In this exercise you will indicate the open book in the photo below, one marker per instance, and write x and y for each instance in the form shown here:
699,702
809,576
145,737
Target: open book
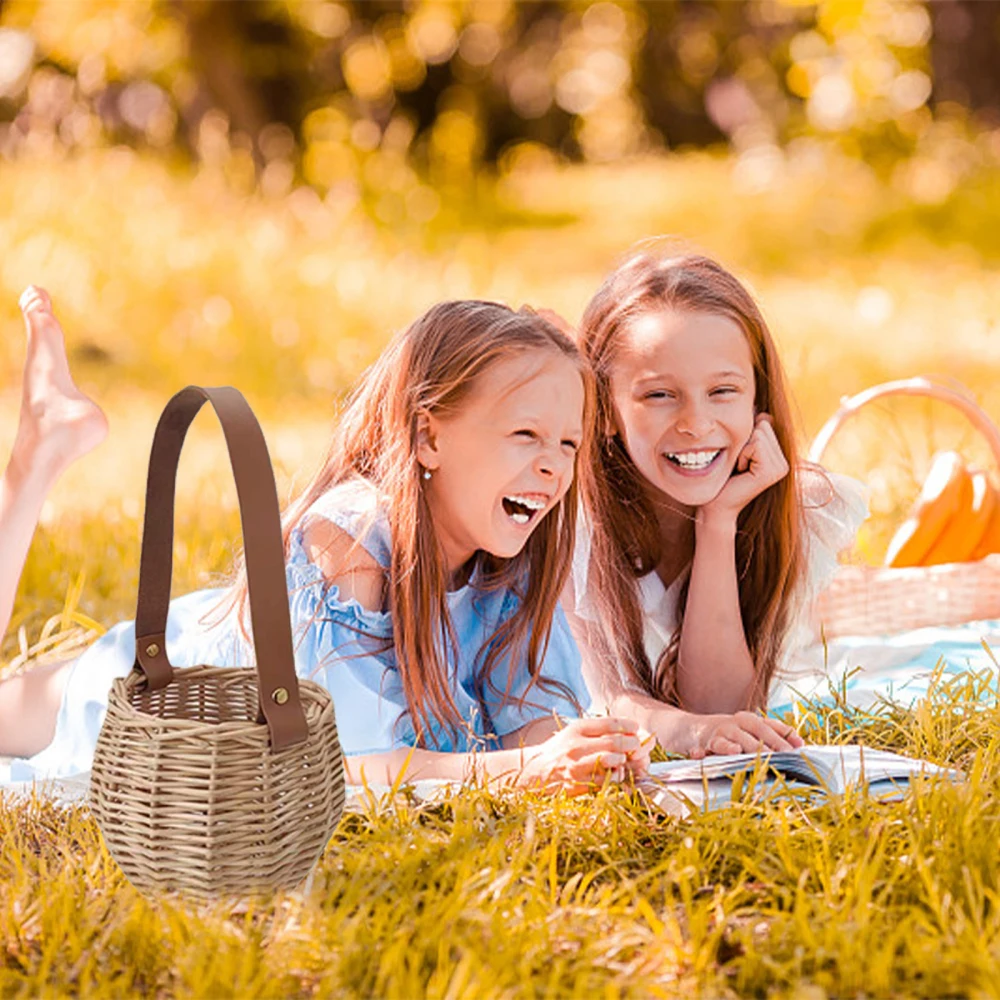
677,785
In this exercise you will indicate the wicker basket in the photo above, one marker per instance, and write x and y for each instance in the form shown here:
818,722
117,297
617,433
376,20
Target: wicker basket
216,780
869,600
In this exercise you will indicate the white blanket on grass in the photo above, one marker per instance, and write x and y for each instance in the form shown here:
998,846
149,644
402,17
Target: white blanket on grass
867,669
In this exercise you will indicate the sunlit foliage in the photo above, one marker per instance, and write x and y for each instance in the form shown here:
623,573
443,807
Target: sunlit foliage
258,194
384,97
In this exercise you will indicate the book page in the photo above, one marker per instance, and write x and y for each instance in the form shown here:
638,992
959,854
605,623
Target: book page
710,767
851,763
836,767
789,764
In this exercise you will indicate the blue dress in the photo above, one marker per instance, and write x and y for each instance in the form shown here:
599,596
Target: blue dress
340,644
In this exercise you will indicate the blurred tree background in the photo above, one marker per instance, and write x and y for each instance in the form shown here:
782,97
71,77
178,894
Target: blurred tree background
396,102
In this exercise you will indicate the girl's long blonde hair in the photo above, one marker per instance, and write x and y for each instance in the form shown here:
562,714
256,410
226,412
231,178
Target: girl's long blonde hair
626,541
432,367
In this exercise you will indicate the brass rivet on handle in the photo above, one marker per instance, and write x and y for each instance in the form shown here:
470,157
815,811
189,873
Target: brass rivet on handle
152,649
279,696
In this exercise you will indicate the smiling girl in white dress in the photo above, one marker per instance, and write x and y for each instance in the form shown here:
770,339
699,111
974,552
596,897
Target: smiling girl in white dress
424,564
707,537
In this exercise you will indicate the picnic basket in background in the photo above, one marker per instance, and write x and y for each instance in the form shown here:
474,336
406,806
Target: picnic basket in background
214,780
930,552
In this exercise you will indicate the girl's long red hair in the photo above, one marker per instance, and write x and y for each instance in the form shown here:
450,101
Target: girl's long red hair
431,367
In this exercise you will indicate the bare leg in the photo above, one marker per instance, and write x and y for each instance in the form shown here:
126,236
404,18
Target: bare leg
29,704
57,425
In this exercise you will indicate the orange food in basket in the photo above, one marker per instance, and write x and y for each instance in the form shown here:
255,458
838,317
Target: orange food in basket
990,542
946,491
966,528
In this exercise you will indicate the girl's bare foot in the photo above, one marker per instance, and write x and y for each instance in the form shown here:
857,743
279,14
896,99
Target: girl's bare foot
58,423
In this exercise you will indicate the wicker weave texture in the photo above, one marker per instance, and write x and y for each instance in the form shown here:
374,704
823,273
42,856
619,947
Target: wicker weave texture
872,600
869,600
190,797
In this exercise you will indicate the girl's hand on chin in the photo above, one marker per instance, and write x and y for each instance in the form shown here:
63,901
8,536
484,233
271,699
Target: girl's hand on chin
743,732
586,754
761,464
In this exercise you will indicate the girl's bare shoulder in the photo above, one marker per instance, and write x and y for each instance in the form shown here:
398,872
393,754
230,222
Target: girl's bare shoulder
344,563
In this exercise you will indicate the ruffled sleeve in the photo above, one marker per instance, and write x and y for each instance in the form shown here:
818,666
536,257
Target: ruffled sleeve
834,508
358,510
342,645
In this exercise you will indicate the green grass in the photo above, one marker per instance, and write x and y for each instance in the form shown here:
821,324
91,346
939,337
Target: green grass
489,894
516,894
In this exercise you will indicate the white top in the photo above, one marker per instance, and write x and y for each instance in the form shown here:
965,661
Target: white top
835,506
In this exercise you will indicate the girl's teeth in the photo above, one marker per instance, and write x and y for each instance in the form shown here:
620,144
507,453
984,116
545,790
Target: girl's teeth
521,509
694,459
530,502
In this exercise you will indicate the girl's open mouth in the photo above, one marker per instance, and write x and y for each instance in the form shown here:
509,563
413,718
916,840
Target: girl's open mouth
521,509
694,462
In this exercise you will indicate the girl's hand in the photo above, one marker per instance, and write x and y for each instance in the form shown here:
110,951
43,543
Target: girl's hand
586,754
744,732
761,464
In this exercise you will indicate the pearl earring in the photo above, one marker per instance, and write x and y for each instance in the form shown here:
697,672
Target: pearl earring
427,473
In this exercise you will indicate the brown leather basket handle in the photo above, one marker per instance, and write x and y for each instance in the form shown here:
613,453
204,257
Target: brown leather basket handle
280,706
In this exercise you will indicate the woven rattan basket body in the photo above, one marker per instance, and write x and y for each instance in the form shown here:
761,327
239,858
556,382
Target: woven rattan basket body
870,600
216,780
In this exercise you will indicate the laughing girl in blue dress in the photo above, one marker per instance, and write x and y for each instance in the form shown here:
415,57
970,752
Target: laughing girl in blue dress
424,563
